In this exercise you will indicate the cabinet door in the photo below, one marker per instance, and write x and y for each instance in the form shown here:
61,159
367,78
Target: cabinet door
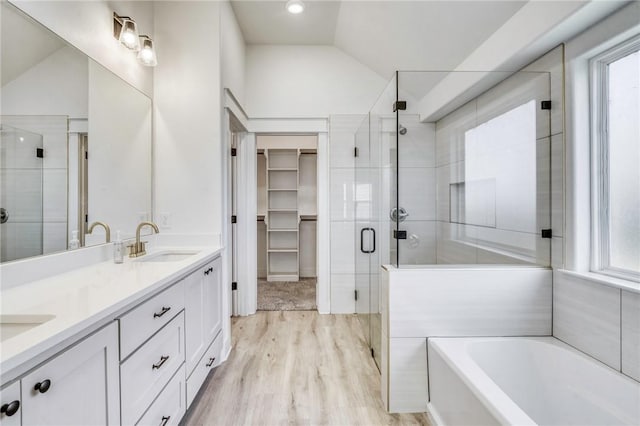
11,405
78,387
213,299
194,318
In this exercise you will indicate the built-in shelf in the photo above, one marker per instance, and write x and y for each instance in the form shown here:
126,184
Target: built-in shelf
282,182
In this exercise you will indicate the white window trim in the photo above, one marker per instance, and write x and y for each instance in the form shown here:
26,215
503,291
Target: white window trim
598,68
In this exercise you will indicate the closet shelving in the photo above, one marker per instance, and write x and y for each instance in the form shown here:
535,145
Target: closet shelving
287,198
283,216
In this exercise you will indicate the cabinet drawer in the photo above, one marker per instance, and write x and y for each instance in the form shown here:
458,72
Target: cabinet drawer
169,407
139,324
149,369
10,401
209,360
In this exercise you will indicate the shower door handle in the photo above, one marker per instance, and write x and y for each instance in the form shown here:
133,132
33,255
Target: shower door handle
362,240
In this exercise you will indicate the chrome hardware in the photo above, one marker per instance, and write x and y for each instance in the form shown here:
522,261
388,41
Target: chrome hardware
106,229
398,215
138,248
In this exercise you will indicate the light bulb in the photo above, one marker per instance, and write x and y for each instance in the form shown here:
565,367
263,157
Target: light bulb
129,35
295,6
147,55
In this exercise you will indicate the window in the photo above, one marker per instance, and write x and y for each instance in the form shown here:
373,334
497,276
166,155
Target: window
615,178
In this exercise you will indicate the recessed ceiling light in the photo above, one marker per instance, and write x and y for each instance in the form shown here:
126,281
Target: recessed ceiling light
295,6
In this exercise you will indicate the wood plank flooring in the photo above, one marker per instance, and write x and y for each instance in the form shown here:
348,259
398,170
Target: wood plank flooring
295,368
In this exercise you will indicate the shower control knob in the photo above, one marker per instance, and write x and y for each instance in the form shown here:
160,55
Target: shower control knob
398,215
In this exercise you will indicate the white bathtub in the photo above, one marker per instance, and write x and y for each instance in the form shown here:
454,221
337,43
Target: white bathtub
525,381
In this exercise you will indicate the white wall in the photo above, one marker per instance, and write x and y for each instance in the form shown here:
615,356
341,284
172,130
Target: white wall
307,81
188,179
233,52
88,25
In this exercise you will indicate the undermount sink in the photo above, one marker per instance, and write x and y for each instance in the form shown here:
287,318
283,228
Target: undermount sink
12,325
168,256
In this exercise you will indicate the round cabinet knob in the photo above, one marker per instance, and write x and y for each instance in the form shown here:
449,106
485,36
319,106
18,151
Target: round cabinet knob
11,408
42,386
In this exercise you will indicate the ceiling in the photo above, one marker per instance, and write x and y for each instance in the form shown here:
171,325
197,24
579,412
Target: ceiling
384,35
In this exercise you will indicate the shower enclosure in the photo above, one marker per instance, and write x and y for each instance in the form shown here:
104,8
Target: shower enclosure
21,213
451,168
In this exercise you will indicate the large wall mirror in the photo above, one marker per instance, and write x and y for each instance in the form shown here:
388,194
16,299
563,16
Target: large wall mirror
75,144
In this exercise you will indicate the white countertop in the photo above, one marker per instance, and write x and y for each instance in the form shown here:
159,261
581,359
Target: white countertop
83,298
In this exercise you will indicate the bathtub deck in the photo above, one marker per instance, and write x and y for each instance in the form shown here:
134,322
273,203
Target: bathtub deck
296,368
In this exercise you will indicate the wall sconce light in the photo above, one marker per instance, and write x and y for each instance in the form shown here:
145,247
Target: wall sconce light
125,30
147,54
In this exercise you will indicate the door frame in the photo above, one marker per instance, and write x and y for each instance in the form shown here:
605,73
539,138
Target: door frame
246,172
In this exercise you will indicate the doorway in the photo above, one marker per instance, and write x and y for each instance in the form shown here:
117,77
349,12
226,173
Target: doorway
286,180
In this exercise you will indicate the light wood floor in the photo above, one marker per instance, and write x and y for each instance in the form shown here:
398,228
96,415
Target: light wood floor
295,368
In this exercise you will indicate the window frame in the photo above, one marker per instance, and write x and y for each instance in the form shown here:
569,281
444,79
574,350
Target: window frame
599,94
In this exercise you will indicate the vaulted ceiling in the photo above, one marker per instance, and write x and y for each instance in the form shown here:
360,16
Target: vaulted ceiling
384,35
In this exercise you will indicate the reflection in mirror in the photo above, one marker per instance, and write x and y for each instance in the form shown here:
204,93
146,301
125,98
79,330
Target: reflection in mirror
75,144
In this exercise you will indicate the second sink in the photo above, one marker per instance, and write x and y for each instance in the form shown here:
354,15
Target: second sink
168,256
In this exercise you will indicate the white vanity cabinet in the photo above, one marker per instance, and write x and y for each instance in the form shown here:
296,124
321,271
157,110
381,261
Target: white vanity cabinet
203,322
78,387
154,350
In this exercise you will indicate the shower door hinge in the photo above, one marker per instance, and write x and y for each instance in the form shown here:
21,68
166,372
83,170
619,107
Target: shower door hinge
399,235
39,152
355,292
234,286
355,151
399,106
86,218
546,233
234,152
545,105
234,219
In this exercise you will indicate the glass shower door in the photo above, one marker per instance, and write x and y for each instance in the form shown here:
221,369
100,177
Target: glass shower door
363,230
21,158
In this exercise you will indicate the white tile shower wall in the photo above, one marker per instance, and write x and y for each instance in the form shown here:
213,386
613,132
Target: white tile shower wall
342,133
455,242
417,192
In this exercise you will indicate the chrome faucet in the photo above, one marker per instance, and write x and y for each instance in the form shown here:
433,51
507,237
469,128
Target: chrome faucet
138,248
106,229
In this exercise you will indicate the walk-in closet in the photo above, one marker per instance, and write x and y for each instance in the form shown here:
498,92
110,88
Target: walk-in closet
286,222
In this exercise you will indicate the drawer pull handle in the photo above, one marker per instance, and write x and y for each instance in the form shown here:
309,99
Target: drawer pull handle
163,359
42,386
11,408
162,312
165,420
208,271
211,361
